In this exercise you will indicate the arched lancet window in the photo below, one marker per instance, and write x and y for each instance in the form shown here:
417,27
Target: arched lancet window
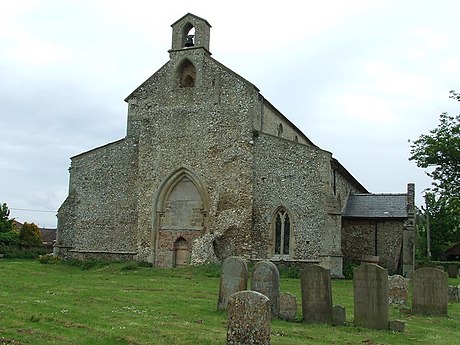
282,232
280,129
186,74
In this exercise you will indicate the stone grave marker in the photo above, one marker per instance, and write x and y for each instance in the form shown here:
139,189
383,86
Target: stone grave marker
315,284
452,271
429,292
370,286
288,307
248,319
266,280
339,316
398,290
234,278
453,295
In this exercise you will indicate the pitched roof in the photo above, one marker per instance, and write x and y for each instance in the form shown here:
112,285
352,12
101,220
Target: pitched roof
376,206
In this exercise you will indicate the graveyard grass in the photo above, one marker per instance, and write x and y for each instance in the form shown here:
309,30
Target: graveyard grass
126,303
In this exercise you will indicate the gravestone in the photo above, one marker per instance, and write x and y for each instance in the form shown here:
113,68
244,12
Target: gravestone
315,284
429,292
370,286
396,325
338,315
453,295
452,271
266,280
288,307
234,278
248,319
398,290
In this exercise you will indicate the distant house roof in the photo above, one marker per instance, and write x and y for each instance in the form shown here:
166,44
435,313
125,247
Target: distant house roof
453,251
48,235
376,206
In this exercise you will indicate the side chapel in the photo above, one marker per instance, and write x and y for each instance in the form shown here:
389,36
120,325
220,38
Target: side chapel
210,169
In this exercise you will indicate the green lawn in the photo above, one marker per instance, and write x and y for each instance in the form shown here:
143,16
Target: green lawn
125,304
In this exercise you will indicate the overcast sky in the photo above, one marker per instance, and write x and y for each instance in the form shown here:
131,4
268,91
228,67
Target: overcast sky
359,78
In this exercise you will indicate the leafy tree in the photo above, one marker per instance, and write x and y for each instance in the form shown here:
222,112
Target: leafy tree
30,235
8,234
439,151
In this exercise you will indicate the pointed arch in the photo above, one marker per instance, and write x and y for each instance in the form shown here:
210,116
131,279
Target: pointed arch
282,233
185,75
188,35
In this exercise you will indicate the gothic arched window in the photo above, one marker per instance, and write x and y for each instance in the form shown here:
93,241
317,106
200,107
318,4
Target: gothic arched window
282,229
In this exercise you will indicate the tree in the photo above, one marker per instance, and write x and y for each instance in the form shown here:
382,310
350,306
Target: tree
30,235
8,234
440,152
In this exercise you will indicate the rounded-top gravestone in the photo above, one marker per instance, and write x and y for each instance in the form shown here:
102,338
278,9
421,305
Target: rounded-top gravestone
234,278
266,280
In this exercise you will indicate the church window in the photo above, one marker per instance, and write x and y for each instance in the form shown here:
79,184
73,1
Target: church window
282,232
186,74
280,129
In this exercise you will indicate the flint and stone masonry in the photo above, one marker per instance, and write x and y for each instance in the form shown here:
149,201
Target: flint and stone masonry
208,169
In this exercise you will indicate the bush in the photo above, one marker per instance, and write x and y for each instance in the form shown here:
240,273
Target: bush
10,238
17,252
30,235
348,268
49,259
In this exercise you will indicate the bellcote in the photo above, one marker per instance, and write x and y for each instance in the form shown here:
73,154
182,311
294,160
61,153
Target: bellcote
190,31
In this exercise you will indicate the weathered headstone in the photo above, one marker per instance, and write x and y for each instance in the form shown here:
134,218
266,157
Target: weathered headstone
315,283
266,280
396,325
453,294
398,290
452,270
338,315
288,307
429,292
370,285
248,316
234,278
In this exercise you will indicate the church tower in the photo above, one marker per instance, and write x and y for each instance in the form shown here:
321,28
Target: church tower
190,32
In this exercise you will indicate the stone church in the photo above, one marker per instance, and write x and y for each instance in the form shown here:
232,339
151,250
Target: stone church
209,169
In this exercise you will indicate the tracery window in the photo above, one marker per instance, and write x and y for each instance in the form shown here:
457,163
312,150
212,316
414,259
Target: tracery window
282,232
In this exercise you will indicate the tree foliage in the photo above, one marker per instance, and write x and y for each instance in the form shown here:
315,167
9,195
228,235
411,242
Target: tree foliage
439,151
30,235
8,234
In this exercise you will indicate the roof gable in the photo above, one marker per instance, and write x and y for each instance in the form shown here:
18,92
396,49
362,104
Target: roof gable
376,206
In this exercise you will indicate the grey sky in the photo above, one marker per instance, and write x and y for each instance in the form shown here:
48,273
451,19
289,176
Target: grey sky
359,78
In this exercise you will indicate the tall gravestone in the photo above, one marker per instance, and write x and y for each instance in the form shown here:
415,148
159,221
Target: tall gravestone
248,319
266,280
370,285
234,278
315,283
288,307
429,292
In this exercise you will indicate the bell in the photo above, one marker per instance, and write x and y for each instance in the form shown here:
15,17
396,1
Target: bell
189,40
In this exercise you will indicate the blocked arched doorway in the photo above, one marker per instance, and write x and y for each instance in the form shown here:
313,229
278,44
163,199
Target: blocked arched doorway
182,207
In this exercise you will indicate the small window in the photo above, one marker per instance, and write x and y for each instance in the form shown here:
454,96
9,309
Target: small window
280,129
186,74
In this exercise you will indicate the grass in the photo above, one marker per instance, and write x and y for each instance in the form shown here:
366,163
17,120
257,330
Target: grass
127,303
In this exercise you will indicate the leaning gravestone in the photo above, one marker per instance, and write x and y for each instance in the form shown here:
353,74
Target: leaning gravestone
370,285
234,278
429,292
398,290
288,307
266,280
248,316
315,283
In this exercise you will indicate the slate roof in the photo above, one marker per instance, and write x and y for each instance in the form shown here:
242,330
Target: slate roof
376,206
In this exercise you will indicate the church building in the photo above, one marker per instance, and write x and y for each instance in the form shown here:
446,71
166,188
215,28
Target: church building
210,169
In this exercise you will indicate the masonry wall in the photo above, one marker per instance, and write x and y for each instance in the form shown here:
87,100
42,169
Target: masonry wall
206,129
295,176
379,237
99,216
